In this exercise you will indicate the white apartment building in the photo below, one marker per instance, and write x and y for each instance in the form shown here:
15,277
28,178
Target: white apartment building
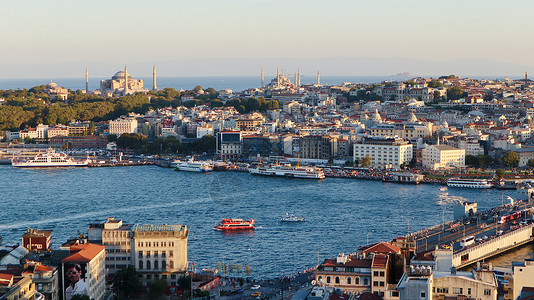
123,125
522,274
92,258
442,157
385,153
403,131
425,284
203,130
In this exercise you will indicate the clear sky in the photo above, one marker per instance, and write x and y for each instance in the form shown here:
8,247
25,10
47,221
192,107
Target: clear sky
119,32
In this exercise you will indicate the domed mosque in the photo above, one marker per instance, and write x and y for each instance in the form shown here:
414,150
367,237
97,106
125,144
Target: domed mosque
122,83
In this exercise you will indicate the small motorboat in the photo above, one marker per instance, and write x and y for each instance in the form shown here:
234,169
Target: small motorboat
291,218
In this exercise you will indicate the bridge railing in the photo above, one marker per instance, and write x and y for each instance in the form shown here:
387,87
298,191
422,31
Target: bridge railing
493,240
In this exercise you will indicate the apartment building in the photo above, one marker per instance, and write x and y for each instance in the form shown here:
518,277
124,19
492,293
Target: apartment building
385,153
442,157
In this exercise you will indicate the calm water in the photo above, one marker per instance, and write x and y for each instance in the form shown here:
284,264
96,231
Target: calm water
186,83
340,213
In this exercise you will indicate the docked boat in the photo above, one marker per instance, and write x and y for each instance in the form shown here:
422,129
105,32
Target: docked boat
50,159
291,218
469,183
235,225
192,166
287,170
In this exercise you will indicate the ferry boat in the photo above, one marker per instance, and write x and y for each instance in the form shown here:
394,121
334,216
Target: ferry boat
50,159
291,218
287,170
469,183
192,166
235,224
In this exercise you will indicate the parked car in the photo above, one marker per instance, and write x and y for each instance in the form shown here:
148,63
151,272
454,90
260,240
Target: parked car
255,287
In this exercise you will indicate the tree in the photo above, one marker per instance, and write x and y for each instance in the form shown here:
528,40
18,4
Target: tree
112,138
126,282
511,159
471,161
435,84
366,161
455,92
530,163
157,288
247,270
499,173
91,129
437,95
131,141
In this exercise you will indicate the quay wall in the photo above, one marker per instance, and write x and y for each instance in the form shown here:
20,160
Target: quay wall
493,246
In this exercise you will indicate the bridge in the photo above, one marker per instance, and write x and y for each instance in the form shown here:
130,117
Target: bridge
480,236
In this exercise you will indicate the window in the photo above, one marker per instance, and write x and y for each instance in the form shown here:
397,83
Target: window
156,265
163,264
328,279
469,291
375,273
148,266
382,273
140,265
382,283
375,283
170,253
487,292
348,280
357,280
148,254
423,295
156,253
365,281
337,280
457,291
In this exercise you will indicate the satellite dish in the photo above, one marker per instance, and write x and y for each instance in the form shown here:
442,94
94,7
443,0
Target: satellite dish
313,282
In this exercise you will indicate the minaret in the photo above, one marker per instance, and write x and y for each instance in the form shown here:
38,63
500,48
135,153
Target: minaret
86,81
526,76
296,79
154,85
262,77
318,78
298,84
125,79
278,77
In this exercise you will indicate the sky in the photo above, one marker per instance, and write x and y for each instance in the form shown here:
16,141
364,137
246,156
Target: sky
61,37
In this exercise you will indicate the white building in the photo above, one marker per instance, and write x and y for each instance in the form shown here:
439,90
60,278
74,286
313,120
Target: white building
92,258
522,274
203,130
123,125
442,156
385,153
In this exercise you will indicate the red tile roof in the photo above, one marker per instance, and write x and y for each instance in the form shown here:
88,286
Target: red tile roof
352,262
5,279
84,252
380,261
382,247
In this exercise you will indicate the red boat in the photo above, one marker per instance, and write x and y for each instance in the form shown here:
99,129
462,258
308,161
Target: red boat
235,224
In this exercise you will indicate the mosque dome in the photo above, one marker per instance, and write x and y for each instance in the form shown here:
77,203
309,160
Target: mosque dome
120,75
51,85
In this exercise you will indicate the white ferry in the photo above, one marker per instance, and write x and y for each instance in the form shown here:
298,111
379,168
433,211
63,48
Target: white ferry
50,159
288,171
193,166
469,183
